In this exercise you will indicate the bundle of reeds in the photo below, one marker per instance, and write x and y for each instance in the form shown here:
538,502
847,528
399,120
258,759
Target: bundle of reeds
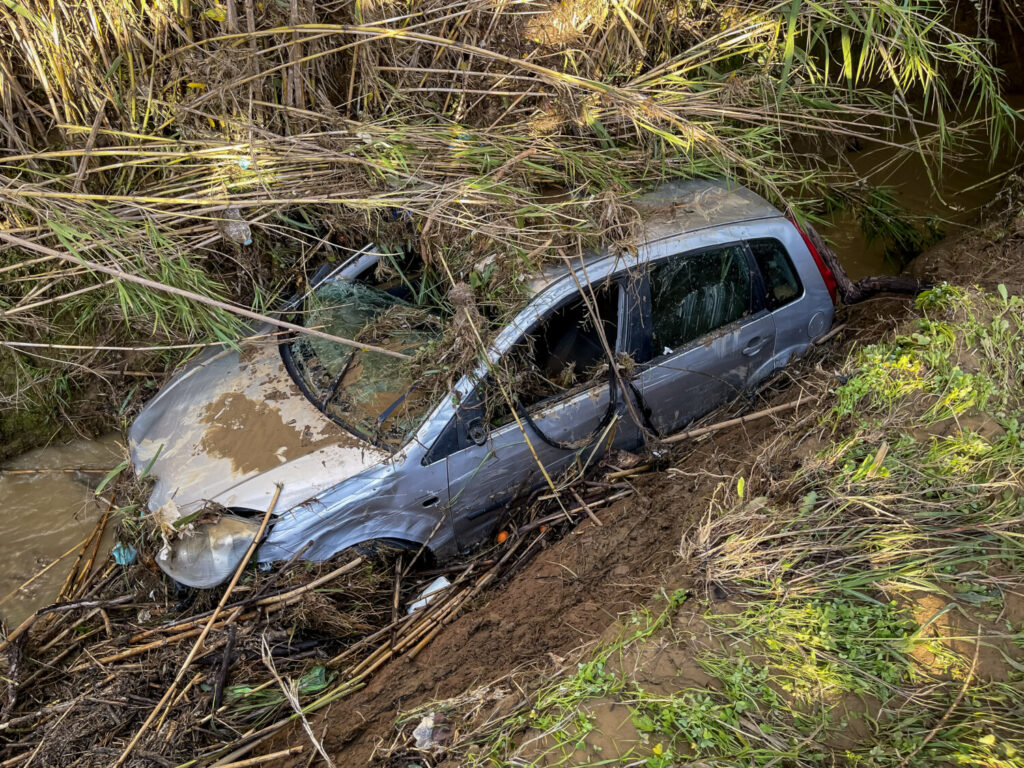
134,133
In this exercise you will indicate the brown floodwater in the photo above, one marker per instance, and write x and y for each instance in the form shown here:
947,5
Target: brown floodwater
968,180
44,514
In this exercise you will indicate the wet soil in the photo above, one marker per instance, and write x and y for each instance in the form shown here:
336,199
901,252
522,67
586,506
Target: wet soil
984,256
571,594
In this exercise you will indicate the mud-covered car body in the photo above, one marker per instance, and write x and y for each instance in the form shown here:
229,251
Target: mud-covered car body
724,291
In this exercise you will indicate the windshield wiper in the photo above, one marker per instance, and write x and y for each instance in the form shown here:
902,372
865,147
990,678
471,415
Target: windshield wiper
332,388
390,409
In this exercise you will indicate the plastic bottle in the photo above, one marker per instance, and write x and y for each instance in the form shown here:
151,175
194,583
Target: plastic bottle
428,594
234,227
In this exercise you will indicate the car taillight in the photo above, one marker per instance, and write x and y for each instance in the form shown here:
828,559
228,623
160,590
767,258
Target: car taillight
826,273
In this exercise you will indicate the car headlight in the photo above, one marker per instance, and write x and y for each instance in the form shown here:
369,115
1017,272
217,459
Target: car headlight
208,555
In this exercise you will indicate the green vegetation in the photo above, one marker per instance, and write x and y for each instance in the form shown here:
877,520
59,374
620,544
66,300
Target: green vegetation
883,219
485,137
876,609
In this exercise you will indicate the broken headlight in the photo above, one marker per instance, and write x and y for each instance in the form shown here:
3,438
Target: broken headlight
209,554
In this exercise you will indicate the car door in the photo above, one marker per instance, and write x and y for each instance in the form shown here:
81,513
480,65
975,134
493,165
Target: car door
565,412
710,333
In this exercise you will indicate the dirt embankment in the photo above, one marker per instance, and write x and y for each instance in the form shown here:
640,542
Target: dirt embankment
569,594
575,590
985,256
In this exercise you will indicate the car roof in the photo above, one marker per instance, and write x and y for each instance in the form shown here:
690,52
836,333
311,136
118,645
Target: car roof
676,208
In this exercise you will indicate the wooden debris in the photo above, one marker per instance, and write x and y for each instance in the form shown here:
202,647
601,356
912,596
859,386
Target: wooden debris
98,648
264,758
692,433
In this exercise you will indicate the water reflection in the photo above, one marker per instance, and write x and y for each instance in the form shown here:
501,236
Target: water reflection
966,183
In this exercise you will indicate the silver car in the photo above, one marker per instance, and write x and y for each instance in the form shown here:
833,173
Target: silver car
724,291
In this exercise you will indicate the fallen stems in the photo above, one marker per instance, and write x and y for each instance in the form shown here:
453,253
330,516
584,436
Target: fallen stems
59,608
283,598
205,631
270,757
693,433
153,285
561,516
209,656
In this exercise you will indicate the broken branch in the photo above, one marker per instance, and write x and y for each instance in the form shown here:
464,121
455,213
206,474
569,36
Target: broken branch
691,433
120,274
202,637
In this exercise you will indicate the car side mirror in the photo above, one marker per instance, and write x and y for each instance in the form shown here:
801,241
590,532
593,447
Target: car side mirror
476,431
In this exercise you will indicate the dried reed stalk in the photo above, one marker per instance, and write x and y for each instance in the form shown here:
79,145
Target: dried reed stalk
202,636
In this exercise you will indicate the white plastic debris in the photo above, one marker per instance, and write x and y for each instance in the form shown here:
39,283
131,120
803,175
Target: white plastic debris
168,514
428,594
431,732
234,227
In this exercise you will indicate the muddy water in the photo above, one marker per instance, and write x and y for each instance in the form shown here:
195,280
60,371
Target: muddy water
966,184
44,514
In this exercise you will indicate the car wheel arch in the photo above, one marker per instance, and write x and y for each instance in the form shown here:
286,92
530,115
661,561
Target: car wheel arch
327,540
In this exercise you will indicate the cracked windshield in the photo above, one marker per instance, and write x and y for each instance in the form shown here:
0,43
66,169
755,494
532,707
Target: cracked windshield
374,395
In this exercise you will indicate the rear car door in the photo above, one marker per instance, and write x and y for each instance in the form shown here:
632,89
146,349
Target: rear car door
711,334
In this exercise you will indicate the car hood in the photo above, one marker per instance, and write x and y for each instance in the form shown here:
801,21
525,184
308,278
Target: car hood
233,425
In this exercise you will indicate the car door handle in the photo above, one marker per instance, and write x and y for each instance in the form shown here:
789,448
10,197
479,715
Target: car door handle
755,345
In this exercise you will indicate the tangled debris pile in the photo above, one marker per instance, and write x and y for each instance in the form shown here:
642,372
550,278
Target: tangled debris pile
116,673
82,675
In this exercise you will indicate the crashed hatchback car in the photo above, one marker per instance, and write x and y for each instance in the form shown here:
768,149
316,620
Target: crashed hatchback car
724,291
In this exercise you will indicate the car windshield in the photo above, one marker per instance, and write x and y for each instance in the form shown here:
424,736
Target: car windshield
372,394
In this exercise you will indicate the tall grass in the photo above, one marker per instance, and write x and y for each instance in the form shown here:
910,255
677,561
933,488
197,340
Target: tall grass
438,125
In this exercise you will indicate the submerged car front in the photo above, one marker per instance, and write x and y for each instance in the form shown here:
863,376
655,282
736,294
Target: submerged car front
305,415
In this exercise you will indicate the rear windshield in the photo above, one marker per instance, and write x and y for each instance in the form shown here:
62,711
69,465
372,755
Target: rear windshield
372,394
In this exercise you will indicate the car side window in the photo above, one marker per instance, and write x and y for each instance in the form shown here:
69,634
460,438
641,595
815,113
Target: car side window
695,293
780,276
562,354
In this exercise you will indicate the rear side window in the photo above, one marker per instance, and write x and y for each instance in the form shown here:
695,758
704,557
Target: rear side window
695,293
780,277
